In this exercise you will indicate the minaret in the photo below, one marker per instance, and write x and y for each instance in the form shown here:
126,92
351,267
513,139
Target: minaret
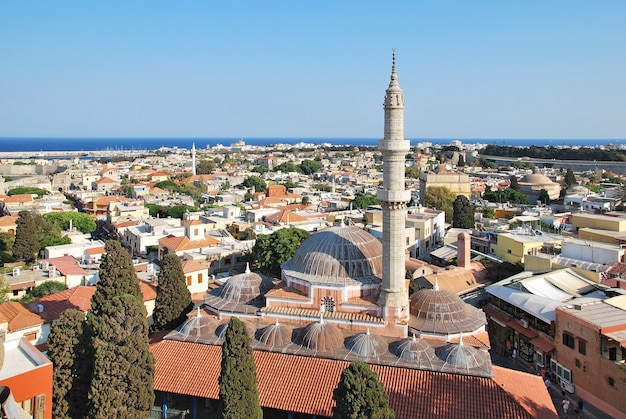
193,158
394,198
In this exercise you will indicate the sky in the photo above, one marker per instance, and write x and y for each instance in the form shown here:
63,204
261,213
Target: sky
312,69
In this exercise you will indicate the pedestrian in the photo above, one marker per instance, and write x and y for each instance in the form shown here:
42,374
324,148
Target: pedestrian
565,403
548,383
579,408
562,389
543,373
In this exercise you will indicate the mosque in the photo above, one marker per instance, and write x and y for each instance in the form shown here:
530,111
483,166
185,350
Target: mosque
343,297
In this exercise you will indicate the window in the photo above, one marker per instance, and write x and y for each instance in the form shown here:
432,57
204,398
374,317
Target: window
329,304
568,340
582,346
188,280
611,381
577,363
199,278
31,335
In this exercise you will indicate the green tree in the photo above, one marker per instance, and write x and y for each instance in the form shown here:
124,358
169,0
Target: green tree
255,182
177,211
441,198
205,166
69,349
173,300
359,395
570,178
309,167
238,394
364,201
490,213
154,209
544,197
463,213
288,167
506,195
28,190
43,289
80,221
514,184
5,289
461,161
123,367
270,251
26,245
49,234
117,277
412,172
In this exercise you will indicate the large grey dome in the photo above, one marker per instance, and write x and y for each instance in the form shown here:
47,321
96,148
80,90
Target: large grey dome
243,288
338,255
275,335
415,351
366,345
195,329
321,336
463,357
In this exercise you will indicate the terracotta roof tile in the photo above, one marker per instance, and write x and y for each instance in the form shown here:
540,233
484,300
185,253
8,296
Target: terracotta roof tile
78,298
193,266
148,291
281,290
18,316
67,265
305,384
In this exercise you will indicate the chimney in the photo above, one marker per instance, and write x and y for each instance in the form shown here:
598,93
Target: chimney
464,257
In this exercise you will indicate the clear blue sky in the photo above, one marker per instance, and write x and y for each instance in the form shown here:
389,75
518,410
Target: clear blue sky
311,69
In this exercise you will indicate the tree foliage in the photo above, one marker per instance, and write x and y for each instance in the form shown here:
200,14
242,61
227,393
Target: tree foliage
177,211
364,201
506,195
255,182
49,234
544,197
173,300
270,251
514,184
412,172
81,221
441,198
117,277
28,190
570,178
288,167
69,349
359,394
26,245
490,213
238,394
309,167
43,289
205,166
463,213
123,369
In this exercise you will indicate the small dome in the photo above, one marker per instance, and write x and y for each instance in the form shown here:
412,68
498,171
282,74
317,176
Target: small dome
443,312
536,179
414,350
321,336
194,329
243,288
220,331
366,345
336,255
463,357
275,335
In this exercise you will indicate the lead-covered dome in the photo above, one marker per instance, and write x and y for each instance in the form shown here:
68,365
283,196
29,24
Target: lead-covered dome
275,335
321,336
366,345
197,328
243,288
439,311
337,255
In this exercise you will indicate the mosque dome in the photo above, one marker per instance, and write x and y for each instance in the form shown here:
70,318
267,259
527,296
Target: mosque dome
366,345
338,255
414,350
195,329
275,335
536,179
321,336
440,311
462,357
243,288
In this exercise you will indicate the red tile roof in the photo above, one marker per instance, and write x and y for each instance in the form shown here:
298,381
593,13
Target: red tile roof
148,291
18,317
305,384
78,298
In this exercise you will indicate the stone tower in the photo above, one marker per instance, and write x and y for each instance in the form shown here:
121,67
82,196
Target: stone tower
394,198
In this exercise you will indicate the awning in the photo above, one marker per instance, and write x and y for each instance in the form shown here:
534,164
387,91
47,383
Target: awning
543,345
526,332
22,286
496,316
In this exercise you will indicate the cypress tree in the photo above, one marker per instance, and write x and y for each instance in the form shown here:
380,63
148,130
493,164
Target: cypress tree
173,300
117,277
69,350
123,370
463,213
238,393
514,183
26,245
359,395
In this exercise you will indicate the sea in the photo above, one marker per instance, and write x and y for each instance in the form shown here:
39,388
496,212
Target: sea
9,144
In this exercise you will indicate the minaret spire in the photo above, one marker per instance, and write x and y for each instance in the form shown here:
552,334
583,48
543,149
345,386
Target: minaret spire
394,198
193,158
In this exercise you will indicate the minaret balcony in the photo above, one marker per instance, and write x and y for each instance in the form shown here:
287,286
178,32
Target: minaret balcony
393,196
394,145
